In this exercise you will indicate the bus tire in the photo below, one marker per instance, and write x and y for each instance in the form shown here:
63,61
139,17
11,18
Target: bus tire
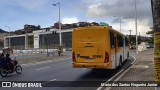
120,61
128,55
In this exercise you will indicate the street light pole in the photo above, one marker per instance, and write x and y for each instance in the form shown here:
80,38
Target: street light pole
60,33
136,27
120,24
119,21
8,37
130,32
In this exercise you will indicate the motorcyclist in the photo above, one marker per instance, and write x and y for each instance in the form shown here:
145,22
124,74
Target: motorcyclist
9,62
8,58
3,61
0,62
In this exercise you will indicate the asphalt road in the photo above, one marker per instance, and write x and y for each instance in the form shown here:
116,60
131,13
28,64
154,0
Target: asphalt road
63,71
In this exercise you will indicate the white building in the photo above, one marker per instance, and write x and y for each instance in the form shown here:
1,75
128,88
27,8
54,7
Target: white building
39,37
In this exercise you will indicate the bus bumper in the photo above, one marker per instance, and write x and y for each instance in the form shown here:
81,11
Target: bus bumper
92,65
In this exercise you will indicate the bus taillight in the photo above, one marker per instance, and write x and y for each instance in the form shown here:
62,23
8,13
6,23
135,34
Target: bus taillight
73,57
106,57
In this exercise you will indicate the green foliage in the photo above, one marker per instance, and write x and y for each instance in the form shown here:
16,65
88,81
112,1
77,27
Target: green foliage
151,39
30,40
150,32
60,48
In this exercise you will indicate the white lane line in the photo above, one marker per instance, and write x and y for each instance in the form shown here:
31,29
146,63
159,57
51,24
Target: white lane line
108,88
24,65
43,68
84,68
31,64
43,62
53,80
38,62
115,75
134,59
110,79
49,81
64,59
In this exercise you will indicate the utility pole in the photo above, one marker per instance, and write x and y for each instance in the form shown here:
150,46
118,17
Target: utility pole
120,21
130,34
136,27
9,36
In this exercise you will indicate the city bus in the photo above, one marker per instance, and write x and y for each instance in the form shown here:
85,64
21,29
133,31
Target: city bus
98,47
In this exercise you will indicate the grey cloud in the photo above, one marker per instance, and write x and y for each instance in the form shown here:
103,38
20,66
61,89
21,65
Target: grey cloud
126,9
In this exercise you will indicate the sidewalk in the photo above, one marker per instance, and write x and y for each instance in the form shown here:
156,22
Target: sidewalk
142,70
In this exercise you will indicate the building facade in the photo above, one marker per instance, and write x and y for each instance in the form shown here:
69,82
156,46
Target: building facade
40,39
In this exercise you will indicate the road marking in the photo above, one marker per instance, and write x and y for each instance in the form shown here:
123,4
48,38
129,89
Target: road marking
84,68
24,65
134,59
110,79
42,68
64,59
30,63
118,73
53,80
115,75
38,62
140,66
43,62
49,81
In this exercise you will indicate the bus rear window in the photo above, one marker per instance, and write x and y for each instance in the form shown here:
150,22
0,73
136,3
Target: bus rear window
89,35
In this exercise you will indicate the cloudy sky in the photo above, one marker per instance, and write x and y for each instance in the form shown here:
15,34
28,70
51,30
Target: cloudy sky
16,13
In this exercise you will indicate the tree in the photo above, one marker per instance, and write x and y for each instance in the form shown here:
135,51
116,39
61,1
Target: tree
30,41
151,33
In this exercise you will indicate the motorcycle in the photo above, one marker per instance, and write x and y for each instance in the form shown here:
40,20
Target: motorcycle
15,68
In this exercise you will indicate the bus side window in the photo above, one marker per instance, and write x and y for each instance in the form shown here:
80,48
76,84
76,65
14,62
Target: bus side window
120,41
112,40
126,41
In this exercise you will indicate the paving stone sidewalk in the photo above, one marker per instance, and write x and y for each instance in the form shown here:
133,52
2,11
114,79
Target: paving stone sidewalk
142,70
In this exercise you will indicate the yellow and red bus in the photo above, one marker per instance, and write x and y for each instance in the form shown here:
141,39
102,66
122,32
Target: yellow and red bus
98,47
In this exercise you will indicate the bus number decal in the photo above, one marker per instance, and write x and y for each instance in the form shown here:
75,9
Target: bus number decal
97,56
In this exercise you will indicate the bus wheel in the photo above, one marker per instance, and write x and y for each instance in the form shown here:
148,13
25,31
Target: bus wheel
127,56
120,61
